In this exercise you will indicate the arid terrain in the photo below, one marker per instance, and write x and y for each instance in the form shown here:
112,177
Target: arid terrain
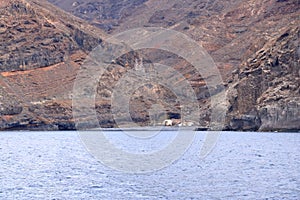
254,44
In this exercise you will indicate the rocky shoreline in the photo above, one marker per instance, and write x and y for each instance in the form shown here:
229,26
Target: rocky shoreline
71,127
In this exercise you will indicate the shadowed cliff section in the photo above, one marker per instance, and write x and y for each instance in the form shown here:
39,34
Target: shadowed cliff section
105,14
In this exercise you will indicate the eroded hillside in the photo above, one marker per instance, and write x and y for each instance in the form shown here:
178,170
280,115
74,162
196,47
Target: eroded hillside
39,59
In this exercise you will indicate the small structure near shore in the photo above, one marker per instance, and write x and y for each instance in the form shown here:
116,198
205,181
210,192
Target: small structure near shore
177,122
168,122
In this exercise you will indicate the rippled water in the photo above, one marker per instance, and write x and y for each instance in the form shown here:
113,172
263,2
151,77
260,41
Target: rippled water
55,165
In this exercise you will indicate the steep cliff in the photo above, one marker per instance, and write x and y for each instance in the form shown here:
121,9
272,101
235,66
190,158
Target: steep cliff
266,92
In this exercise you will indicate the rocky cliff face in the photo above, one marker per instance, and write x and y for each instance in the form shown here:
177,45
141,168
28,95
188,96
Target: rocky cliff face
266,92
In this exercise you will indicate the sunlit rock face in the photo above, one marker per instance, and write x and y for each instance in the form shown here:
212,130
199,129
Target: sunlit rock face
40,51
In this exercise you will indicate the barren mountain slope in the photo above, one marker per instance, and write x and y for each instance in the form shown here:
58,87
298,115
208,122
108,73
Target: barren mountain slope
230,31
255,45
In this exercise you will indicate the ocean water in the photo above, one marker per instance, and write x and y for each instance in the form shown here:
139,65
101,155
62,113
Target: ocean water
56,165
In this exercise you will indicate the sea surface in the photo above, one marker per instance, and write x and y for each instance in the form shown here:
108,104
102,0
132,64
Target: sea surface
56,165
